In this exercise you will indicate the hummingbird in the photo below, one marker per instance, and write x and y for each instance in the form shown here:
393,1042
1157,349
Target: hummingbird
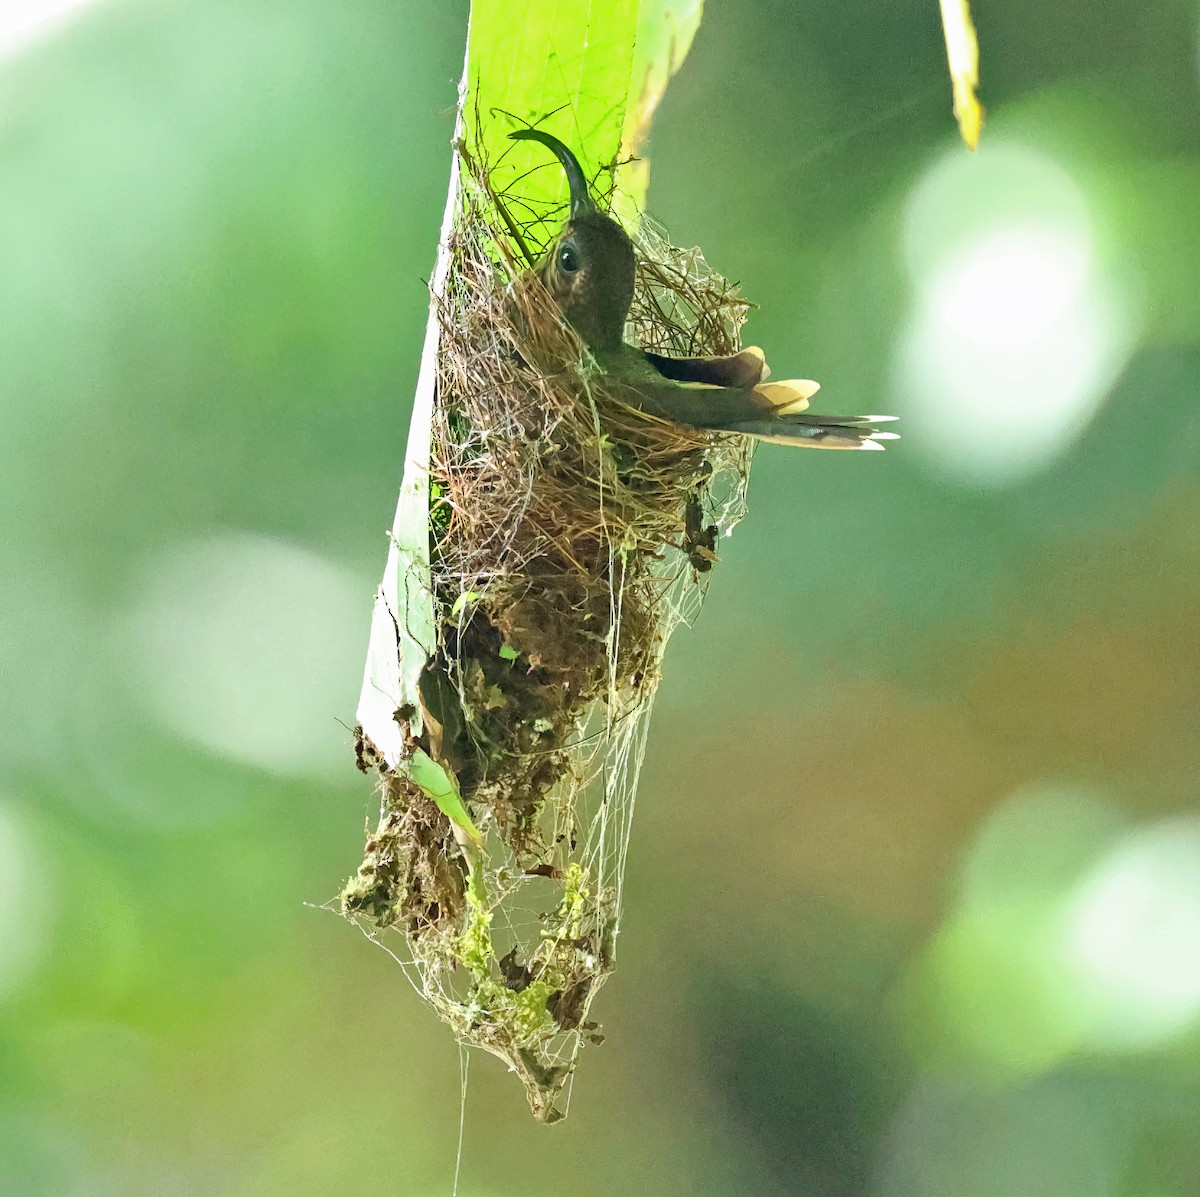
589,271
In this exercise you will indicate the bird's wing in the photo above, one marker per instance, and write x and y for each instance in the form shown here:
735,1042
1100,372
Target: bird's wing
745,369
769,411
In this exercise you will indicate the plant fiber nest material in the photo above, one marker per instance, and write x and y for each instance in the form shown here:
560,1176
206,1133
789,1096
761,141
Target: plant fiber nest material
569,535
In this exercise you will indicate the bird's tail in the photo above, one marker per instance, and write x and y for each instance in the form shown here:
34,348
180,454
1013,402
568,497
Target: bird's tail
788,422
819,431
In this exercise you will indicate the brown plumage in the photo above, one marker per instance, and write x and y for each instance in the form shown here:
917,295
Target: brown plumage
589,270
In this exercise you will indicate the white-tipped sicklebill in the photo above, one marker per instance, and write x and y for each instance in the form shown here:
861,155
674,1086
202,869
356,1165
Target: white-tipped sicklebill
589,271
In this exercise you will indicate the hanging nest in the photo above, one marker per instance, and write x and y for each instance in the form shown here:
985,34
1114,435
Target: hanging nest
569,535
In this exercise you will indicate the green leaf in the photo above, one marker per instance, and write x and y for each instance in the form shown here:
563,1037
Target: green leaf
508,653
403,628
440,785
465,599
591,74
564,67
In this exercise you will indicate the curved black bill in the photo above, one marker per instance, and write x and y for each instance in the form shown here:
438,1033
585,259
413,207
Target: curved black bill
581,198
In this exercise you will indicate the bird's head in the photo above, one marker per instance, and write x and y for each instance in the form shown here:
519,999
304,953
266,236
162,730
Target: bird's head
590,267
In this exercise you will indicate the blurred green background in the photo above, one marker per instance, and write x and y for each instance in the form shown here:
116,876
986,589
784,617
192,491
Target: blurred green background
913,901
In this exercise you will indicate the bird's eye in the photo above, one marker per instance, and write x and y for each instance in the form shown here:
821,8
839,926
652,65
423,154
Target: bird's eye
568,259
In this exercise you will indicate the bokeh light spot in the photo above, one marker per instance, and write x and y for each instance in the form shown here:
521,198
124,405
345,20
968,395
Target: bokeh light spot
25,906
244,643
1072,936
991,995
1036,844
23,20
1006,288
1132,937
1017,330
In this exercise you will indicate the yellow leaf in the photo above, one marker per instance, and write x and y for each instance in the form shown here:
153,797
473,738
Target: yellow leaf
962,51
